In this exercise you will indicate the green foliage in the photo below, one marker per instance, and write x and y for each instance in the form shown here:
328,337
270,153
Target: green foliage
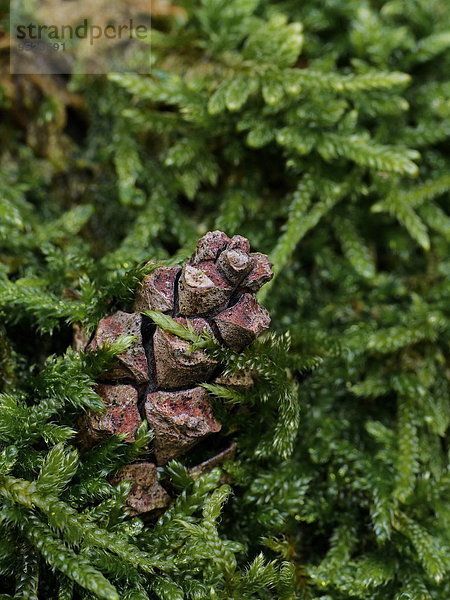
185,332
320,131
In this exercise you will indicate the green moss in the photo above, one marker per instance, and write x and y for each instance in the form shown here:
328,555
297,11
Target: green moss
319,130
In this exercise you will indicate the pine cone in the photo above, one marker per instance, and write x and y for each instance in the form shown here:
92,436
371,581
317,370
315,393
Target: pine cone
158,377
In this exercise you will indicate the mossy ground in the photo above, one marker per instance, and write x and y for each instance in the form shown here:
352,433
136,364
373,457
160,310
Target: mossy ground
319,130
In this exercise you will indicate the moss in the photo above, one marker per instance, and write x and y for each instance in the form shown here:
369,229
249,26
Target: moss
319,130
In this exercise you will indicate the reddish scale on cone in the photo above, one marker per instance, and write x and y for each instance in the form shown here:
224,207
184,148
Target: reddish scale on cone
179,419
156,291
202,289
234,265
242,323
209,247
176,365
147,495
215,293
131,364
121,415
260,274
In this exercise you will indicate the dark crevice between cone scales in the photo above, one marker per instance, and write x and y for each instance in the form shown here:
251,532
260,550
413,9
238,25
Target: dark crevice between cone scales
158,378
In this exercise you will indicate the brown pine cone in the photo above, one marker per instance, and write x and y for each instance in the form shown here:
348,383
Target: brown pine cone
158,377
